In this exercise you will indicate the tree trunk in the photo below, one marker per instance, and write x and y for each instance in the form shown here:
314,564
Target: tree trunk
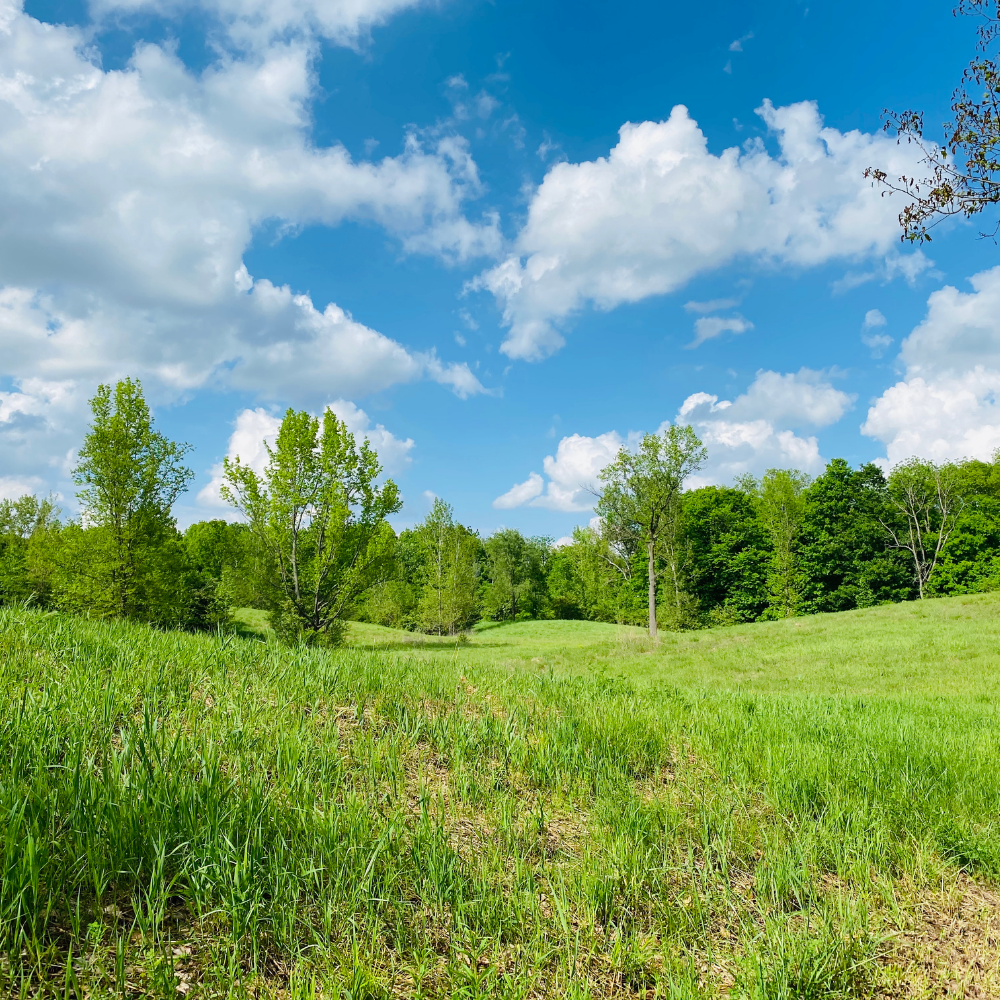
652,589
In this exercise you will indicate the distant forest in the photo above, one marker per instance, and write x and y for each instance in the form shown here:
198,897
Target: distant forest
314,547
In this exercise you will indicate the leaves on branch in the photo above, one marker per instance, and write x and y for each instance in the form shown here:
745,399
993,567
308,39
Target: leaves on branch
963,169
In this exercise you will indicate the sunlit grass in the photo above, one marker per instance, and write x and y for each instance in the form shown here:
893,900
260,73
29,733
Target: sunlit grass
550,809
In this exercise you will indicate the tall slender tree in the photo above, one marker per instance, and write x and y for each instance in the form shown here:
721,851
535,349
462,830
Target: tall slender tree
781,506
929,498
448,602
130,476
641,494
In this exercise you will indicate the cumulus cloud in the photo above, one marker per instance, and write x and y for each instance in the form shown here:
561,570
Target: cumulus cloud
127,200
946,405
756,431
571,474
661,209
255,430
520,493
751,433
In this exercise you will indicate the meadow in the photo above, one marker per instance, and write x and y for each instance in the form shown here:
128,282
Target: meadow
802,808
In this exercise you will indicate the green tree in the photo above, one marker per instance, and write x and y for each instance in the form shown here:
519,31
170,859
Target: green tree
515,575
730,554
130,476
964,169
23,521
842,555
640,500
226,554
319,520
928,500
448,602
781,508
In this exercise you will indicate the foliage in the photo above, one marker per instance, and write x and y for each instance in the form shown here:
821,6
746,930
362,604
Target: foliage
514,576
640,500
965,168
319,521
22,521
928,499
780,496
129,475
449,599
730,552
842,555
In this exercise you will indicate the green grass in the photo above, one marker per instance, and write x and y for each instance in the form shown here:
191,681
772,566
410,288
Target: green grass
550,809
935,647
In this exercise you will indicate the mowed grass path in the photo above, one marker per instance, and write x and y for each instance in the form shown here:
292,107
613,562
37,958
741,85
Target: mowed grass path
806,808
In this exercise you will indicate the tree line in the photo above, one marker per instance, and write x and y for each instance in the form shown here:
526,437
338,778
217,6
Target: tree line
315,549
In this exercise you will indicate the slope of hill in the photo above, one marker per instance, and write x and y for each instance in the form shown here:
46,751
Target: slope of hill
951,645
805,808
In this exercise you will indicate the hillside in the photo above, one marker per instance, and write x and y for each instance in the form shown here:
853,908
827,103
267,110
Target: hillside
951,645
804,808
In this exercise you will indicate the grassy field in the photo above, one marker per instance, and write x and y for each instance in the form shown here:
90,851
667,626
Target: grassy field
807,808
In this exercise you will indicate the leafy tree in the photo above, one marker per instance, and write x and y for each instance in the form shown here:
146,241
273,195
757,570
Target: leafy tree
781,508
929,500
641,496
586,579
130,476
22,521
970,562
730,553
964,170
448,602
227,555
514,576
843,556
319,520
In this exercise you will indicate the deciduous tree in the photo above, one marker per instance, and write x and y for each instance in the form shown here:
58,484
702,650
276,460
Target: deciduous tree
929,498
319,518
964,168
129,475
641,494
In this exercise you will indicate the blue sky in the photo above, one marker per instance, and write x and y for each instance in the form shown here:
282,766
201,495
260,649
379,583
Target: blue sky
487,234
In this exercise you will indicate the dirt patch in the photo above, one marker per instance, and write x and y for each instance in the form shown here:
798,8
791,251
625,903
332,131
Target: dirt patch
951,947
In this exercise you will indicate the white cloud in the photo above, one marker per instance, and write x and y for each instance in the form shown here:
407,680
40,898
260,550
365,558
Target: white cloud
257,23
949,417
393,452
573,471
894,265
520,493
756,431
713,305
256,429
737,45
127,200
571,474
946,406
661,209
878,343
12,487
709,327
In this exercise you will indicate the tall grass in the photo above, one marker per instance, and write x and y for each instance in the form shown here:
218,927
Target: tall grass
226,817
